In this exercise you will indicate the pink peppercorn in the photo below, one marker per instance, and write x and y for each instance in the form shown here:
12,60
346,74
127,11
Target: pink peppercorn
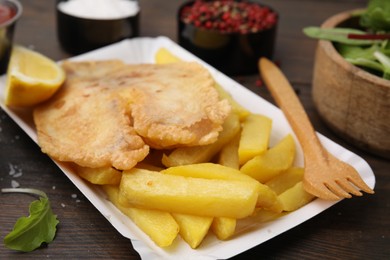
229,16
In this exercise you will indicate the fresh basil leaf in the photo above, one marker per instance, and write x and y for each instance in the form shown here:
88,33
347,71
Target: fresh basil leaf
377,15
39,227
337,35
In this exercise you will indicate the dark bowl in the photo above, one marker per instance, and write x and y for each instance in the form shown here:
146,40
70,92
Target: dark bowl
7,29
78,35
230,53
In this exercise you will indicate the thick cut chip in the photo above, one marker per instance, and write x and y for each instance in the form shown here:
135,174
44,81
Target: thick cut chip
276,160
224,228
295,197
228,156
193,229
160,226
255,134
100,176
286,179
200,154
267,198
193,196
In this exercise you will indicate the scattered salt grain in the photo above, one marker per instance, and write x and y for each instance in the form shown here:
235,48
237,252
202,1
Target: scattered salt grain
17,137
77,201
54,187
14,184
18,174
63,205
11,169
14,171
74,196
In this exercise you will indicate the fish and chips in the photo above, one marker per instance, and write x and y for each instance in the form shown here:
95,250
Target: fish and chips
171,149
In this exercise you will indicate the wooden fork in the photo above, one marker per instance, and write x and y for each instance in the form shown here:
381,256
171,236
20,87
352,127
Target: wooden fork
325,176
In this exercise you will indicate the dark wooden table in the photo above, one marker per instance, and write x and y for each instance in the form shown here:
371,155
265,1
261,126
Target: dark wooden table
353,229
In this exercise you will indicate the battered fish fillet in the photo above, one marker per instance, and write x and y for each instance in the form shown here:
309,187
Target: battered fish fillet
89,127
172,105
107,113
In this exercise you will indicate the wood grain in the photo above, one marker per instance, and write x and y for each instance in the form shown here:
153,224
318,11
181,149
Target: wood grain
352,229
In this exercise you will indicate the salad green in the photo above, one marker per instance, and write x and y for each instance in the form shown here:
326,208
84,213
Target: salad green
39,227
368,47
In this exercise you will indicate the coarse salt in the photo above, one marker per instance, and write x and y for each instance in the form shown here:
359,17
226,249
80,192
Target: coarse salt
11,169
14,171
14,184
99,9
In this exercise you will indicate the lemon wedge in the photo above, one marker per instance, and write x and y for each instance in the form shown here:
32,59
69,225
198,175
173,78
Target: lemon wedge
32,78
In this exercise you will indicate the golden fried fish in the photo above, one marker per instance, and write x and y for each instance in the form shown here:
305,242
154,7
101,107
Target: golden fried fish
107,113
173,105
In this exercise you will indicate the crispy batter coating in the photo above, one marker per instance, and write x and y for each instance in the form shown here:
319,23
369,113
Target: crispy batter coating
108,113
173,105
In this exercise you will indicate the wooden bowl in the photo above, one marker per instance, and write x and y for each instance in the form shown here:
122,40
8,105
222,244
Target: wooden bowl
351,101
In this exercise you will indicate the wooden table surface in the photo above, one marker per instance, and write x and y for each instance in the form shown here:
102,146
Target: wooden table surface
352,229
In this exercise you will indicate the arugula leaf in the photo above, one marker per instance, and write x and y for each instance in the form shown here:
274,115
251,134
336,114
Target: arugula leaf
369,50
40,227
377,15
366,63
337,34
385,61
354,52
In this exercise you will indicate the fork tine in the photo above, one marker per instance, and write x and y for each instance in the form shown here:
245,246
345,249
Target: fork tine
320,190
337,190
358,182
349,187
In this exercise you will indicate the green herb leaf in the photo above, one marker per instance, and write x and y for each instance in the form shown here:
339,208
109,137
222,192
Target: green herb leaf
40,227
385,61
337,35
366,63
354,52
377,15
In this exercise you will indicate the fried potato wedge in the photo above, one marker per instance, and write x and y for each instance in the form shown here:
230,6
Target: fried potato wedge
236,107
160,226
200,154
286,179
164,56
193,229
276,160
228,156
194,196
255,134
267,197
295,197
100,176
224,228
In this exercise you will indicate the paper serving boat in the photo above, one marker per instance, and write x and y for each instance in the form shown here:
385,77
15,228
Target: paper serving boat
249,232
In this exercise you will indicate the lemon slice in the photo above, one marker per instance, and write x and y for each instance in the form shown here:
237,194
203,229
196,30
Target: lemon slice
32,78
